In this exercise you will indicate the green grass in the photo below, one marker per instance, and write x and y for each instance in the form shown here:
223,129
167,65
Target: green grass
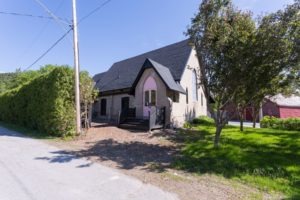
265,158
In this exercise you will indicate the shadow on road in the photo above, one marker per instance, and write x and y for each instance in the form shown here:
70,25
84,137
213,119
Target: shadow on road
127,155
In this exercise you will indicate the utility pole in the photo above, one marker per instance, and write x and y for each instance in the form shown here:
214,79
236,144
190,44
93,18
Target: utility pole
76,66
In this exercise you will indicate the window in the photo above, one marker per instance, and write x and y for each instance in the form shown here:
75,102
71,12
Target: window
150,97
201,99
103,107
147,98
194,86
187,95
153,97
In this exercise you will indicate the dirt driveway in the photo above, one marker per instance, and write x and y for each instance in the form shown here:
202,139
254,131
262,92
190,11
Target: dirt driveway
148,157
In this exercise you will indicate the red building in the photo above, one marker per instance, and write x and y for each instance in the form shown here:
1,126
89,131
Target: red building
282,107
277,106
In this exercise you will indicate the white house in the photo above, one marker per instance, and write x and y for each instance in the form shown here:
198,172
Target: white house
162,82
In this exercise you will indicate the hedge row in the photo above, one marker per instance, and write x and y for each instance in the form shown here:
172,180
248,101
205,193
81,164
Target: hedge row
45,103
284,124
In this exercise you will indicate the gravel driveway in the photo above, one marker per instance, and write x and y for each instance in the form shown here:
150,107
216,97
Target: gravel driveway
30,169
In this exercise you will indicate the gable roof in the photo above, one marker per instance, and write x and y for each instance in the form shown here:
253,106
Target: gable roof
122,74
98,77
289,101
163,72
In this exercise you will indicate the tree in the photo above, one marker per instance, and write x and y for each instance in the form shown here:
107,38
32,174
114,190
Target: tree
88,94
221,35
274,61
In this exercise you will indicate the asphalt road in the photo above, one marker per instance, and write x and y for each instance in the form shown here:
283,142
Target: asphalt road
246,124
33,170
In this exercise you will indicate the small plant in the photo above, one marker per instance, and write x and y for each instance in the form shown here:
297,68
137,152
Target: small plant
187,125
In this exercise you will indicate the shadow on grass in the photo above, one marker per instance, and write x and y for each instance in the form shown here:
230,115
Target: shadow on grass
268,158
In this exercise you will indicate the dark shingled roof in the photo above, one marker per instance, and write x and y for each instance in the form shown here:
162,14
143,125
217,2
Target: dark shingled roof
165,75
123,74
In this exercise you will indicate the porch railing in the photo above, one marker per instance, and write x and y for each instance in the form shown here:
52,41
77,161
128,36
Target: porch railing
157,117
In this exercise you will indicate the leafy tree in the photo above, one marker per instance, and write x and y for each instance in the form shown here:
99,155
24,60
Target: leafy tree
241,63
221,35
274,60
87,97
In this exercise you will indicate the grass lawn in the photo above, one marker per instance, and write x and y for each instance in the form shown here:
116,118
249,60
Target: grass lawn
265,158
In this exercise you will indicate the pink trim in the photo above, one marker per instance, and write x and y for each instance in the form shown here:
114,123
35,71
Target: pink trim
150,84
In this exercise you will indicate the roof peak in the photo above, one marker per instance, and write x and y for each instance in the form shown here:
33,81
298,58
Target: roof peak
160,48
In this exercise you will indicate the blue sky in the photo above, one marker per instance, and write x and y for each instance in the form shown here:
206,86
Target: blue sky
121,29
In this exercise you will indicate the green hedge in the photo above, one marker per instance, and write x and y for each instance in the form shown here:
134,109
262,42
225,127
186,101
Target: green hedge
45,103
284,124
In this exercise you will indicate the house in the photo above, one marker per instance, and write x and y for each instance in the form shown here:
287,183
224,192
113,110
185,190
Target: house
161,83
277,106
282,107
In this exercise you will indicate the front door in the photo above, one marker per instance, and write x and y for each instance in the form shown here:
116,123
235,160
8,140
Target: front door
103,107
149,96
125,103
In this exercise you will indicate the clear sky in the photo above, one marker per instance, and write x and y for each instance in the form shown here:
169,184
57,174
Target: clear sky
121,29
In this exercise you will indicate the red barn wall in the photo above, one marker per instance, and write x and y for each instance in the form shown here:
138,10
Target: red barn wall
271,109
286,112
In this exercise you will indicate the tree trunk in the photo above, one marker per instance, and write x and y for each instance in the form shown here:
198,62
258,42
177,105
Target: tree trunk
254,114
242,120
217,136
242,124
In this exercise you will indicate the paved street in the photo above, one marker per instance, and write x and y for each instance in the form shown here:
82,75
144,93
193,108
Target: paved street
246,124
33,170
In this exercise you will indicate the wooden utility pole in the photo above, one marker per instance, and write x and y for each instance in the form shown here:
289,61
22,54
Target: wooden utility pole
76,66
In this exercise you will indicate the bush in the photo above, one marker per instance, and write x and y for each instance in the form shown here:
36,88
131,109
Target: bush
203,120
187,125
45,103
284,124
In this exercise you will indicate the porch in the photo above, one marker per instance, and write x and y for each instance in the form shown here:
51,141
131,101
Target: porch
155,119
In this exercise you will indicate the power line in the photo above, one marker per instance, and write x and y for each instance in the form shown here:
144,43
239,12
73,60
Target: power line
52,15
24,15
62,37
48,50
28,15
33,42
94,10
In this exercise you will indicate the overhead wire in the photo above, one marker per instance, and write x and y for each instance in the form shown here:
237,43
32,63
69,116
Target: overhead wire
48,50
52,15
25,15
63,36
37,37
94,10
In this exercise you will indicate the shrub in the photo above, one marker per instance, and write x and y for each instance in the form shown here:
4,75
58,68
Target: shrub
45,103
284,124
203,120
187,125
